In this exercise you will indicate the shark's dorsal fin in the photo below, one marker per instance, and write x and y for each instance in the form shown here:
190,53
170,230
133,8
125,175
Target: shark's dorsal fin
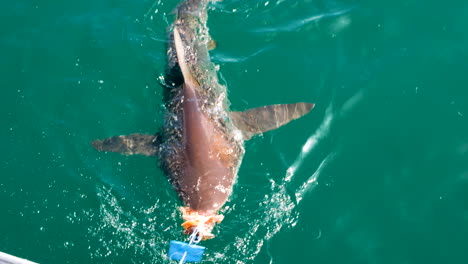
258,120
129,144
182,60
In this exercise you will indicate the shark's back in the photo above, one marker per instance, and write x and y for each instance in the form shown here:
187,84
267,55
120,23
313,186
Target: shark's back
202,149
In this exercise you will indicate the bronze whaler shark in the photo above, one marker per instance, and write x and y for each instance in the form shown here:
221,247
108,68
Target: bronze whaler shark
201,143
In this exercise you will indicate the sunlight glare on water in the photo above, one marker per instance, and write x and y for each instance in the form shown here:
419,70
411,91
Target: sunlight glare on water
275,211
310,144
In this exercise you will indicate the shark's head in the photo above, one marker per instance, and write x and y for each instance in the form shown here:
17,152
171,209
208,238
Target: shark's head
200,223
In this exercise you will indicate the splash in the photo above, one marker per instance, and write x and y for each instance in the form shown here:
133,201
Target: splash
136,233
253,229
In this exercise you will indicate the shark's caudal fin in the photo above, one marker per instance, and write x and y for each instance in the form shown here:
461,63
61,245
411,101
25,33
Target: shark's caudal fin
129,144
258,120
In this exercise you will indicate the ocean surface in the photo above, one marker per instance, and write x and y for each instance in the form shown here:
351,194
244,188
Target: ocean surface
376,173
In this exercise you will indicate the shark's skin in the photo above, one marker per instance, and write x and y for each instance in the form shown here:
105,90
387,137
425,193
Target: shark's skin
201,144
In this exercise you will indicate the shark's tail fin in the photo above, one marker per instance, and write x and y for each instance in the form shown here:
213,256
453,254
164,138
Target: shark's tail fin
258,120
129,144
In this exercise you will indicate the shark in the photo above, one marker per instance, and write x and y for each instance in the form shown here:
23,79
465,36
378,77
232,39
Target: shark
200,144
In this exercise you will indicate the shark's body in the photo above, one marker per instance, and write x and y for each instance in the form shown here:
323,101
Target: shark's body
201,144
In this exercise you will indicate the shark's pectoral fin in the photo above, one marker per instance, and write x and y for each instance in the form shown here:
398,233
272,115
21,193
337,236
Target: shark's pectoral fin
258,120
129,144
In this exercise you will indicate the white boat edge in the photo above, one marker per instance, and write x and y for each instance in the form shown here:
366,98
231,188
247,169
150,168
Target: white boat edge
9,259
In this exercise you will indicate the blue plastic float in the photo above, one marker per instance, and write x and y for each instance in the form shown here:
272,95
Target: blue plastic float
185,251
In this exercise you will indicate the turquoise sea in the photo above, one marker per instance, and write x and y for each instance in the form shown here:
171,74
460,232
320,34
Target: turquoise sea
376,173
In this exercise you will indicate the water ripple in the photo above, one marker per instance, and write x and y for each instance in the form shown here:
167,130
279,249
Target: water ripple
298,23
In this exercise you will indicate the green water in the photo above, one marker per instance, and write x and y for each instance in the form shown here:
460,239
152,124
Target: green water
377,173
